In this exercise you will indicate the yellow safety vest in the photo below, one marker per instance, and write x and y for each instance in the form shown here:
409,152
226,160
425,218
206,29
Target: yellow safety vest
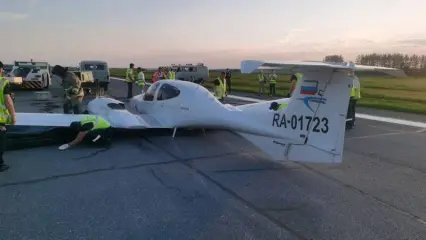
170,75
141,80
282,106
4,113
219,90
98,122
272,79
129,75
356,89
299,77
174,75
260,77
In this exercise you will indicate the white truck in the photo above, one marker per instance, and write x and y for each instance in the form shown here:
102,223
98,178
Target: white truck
35,75
100,72
197,73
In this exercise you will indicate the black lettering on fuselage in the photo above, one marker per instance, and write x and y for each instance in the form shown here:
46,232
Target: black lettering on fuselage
283,122
313,124
275,120
279,121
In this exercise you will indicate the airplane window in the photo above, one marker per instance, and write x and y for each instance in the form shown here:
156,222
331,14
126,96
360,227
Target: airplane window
167,92
149,95
116,106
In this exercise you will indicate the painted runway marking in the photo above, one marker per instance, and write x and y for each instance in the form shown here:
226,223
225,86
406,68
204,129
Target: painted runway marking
358,115
377,135
385,128
421,130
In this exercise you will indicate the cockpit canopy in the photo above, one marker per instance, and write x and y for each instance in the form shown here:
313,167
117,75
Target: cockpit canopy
165,92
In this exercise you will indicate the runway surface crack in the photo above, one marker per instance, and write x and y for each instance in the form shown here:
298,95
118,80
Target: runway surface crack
248,170
112,168
93,154
234,194
386,160
366,194
175,189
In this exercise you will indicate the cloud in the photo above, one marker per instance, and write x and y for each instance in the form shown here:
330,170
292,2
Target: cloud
287,37
413,42
11,16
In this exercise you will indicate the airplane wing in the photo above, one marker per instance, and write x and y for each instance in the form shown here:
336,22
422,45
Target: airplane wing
365,67
117,119
249,66
46,119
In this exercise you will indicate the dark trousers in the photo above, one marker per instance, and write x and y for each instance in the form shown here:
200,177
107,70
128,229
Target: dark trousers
129,89
2,145
272,89
228,85
104,140
351,113
68,108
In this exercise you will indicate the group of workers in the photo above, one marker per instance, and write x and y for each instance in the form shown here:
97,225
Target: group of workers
139,77
91,129
263,79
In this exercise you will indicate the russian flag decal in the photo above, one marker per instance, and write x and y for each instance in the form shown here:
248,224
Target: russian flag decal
309,87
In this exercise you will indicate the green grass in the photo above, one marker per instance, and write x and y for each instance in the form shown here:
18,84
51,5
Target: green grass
396,94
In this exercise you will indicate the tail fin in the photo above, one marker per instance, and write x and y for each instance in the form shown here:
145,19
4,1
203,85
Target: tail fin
312,125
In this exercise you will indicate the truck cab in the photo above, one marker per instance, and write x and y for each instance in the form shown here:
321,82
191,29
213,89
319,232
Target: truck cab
34,74
196,73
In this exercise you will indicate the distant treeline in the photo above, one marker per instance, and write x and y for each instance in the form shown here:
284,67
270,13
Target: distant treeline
411,64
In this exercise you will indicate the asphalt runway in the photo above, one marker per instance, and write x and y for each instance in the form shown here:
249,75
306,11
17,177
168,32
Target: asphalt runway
216,186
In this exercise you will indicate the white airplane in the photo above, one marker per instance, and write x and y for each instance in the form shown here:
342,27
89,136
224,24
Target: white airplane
311,128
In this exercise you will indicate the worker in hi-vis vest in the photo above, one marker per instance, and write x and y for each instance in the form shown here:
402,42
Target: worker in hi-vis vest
355,95
170,74
272,83
219,89
276,107
140,79
173,73
225,89
262,82
7,115
130,79
93,130
295,79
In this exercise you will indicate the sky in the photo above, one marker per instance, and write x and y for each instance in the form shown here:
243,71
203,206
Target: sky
218,33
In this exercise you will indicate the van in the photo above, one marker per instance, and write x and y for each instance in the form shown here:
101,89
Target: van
99,70
197,73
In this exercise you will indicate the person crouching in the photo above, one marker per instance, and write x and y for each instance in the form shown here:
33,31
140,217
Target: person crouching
92,130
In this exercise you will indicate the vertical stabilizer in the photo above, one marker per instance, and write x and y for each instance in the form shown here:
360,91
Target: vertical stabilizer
312,122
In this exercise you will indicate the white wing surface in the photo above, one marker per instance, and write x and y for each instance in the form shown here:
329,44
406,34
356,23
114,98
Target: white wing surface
117,119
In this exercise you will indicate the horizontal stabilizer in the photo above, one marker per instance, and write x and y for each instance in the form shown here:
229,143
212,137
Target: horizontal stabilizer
249,66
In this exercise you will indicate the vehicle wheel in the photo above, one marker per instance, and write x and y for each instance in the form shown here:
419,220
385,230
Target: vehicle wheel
44,82
47,81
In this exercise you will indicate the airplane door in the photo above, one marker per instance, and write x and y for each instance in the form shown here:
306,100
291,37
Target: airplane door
167,99
148,104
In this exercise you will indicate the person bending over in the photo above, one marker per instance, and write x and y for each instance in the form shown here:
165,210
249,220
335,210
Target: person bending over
92,130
